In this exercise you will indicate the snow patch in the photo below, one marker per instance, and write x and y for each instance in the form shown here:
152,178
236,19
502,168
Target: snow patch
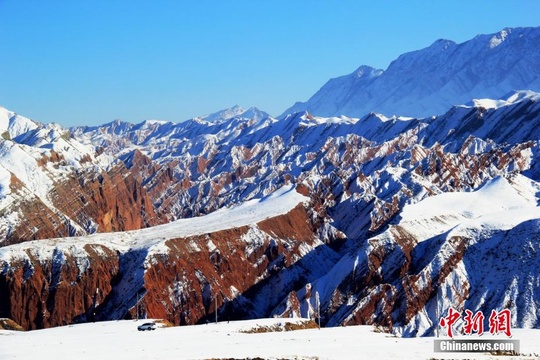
154,239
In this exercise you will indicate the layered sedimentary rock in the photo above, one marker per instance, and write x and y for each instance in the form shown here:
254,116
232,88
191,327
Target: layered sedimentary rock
113,200
358,257
439,254
57,282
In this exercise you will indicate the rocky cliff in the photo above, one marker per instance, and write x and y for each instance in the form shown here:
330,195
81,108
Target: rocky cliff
177,272
481,257
51,185
360,254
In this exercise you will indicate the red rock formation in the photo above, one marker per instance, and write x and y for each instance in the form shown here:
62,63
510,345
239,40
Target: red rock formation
180,285
41,293
113,201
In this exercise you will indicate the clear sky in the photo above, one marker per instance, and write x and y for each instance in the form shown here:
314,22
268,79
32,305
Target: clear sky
88,62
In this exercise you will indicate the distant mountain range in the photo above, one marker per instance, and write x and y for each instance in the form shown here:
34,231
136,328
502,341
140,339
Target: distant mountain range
429,81
383,220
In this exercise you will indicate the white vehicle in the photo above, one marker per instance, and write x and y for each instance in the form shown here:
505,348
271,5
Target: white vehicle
147,326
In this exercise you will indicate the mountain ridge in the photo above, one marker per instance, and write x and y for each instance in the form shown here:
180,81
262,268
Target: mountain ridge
427,82
360,175
394,218
214,156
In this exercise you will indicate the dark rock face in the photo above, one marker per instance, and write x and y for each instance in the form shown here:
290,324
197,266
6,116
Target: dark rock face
41,293
181,285
111,201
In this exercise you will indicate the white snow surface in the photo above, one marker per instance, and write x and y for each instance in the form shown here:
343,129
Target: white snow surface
499,203
14,124
251,212
235,111
120,340
511,98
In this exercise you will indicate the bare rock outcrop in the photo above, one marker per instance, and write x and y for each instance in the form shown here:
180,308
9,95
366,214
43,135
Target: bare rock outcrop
43,284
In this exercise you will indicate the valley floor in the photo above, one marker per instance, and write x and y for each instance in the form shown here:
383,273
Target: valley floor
121,340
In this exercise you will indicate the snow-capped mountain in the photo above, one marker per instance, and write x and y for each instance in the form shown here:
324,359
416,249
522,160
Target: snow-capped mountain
468,250
58,182
353,240
53,185
12,125
427,82
386,220
176,271
235,111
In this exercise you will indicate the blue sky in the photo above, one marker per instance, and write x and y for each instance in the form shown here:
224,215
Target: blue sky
88,62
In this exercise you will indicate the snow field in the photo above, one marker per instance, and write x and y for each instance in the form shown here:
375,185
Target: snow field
121,340
498,204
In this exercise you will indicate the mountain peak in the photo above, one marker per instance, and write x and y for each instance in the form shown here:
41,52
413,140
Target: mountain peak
14,124
520,95
428,81
224,114
367,72
509,36
442,44
235,111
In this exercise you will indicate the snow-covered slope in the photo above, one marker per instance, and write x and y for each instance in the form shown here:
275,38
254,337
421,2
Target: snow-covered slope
53,185
473,250
121,340
153,239
427,82
498,228
179,271
12,124
510,98
354,243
